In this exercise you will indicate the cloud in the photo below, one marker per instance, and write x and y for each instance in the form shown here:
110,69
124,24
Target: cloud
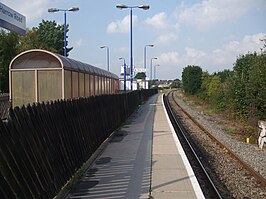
191,52
169,58
213,61
157,21
121,26
210,12
166,38
121,50
165,29
228,53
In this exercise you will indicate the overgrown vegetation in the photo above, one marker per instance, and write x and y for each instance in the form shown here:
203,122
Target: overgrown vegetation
242,90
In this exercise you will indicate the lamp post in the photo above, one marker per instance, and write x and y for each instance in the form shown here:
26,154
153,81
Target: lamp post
151,67
155,70
108,55
122,6
125,71
72,9
145,60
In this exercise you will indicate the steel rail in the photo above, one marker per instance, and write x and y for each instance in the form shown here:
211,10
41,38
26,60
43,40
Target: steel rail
260,179
178,127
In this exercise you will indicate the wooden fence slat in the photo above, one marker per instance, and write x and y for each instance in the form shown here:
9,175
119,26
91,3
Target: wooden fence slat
25,150
5,190
9,169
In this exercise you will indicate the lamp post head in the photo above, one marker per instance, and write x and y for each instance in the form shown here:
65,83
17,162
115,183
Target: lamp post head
154,58
121,6
150,45
144,7
103,47
73,9
53,10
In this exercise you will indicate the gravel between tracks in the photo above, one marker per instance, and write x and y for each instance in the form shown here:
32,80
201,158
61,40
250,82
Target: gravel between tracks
248,152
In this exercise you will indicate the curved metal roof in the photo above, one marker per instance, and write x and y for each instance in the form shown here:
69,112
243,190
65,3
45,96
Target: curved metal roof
37,58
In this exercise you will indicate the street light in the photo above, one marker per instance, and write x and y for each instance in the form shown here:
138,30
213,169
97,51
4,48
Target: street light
145,62
155,70
72,9
151,67
108,54
122,6
125,72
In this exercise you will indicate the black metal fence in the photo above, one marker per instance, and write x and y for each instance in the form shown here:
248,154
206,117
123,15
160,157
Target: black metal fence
43,145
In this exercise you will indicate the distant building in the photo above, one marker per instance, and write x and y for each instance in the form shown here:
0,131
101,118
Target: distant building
141,84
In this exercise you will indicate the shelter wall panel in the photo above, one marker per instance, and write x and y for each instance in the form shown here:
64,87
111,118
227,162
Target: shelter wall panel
81,84
99,85
92,85
23,87
49,85
67,83
103,85
75,84
108,86
87,85
112,86
96,82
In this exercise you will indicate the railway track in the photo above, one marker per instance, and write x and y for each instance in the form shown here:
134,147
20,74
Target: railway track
232,177
207,185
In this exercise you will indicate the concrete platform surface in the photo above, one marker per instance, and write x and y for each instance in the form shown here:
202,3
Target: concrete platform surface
142,159
172,176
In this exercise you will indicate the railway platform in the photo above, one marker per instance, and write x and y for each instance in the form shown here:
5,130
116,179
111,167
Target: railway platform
143,159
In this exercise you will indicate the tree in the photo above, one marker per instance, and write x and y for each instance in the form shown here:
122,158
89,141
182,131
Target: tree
140,75
51,36
48,36
224,75
175,84
192,79
8,50
215,89
247,88
206,79
30,41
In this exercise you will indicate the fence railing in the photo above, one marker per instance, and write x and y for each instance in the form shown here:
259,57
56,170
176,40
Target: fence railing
43,145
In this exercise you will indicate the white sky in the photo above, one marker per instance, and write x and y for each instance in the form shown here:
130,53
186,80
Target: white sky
209,33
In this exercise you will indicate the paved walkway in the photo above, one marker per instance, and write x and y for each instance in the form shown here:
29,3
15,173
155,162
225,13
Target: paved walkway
143,146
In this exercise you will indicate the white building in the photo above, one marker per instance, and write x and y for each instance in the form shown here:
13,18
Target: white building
137,84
